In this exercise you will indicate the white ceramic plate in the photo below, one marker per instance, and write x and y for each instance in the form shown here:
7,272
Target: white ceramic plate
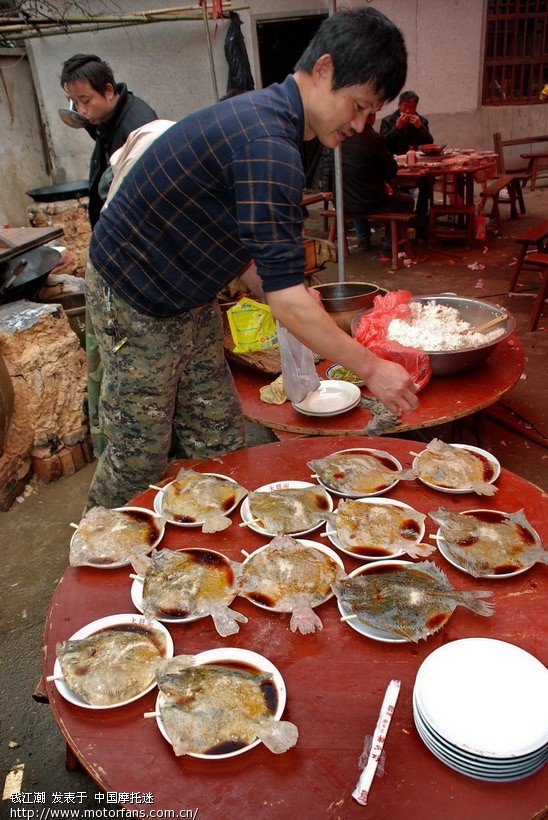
466,691
137,594
330,399
281,485
335,369
492,463
160,494
156,518
305,543
98,626
233,655
381,455
389,502
499,576
360,626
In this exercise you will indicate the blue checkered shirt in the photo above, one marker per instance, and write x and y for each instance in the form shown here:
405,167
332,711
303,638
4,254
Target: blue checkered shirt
221,187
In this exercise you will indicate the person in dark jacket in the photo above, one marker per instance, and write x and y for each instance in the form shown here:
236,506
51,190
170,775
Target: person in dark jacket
368,172
111,110
406,129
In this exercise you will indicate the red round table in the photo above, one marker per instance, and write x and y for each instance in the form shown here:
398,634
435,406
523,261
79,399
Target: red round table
442,400
335,678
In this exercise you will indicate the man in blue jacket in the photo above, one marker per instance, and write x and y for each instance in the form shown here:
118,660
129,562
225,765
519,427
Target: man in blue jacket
218,189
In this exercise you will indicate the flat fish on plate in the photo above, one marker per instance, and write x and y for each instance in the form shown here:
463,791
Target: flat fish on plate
290,577
195,497
374,530
411,602
211,708
108,537
112,665
455,468
193,583
289,510
490,542
356,473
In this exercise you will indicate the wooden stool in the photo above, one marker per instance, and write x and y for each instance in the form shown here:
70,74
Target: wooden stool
515,197
464,213
540,261
536,236
534,164
330,220
399,235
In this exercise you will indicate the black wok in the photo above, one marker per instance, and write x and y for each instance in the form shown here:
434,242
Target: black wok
23,276
65,190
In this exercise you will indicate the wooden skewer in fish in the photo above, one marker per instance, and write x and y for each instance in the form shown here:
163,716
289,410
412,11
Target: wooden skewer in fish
345,618
151,714
246,553
136,577
248,523
156,487
73,525
51,678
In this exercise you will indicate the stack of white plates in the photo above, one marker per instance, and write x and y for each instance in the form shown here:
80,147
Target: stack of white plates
480,705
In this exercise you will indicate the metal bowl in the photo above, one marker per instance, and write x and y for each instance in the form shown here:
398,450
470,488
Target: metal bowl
432,150
474,311
342,300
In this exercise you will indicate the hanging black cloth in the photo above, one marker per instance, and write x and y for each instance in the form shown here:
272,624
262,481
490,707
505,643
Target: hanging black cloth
240,78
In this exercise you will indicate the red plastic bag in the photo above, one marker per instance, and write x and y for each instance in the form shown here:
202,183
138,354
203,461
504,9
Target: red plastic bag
372,329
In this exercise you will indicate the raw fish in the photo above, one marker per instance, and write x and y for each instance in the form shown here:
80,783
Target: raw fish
411,602
371,529
455,468
291,577
212,708
194,498
490,542
113,536
356,473
112,665
193,583
289,510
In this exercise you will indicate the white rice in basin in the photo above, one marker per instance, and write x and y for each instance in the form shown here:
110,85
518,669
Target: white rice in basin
437,327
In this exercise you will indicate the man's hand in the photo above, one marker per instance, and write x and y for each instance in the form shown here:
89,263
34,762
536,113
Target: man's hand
415,120
402,120
392,384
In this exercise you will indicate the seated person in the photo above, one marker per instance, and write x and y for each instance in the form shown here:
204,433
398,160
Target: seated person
405,129
368,171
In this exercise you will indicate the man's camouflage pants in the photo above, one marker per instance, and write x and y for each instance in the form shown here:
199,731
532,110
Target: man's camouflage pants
169,374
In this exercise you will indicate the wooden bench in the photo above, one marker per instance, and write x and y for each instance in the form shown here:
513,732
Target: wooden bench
524,174
463,227
400,223
535,161
537,238
515,197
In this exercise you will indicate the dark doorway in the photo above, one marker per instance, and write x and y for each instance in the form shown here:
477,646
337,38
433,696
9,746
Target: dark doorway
281,43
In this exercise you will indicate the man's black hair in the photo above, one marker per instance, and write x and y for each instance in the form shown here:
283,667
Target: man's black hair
408,96
365,47
88,67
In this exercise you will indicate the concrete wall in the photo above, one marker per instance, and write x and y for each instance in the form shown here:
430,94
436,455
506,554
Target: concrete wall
168,65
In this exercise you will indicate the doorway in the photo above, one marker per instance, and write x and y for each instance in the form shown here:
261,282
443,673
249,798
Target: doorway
280,44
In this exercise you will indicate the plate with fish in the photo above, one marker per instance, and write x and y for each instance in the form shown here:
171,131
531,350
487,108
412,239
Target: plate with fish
108,539
457,468
291,575
374,529
195,499
185,585
488,543
222,703
330,399
286,508
339,373
111,661
401,602
359,472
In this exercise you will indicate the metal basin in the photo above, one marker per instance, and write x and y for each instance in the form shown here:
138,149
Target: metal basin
342,300
474,311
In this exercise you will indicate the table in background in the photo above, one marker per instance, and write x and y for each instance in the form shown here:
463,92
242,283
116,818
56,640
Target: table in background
465,168
335,678
442,400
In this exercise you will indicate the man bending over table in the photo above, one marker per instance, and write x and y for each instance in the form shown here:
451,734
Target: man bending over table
218,189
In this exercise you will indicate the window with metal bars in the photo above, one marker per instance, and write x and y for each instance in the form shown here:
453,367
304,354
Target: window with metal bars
516,52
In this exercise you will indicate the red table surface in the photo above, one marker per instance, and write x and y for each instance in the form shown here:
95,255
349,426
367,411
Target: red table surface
335,678
441,401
